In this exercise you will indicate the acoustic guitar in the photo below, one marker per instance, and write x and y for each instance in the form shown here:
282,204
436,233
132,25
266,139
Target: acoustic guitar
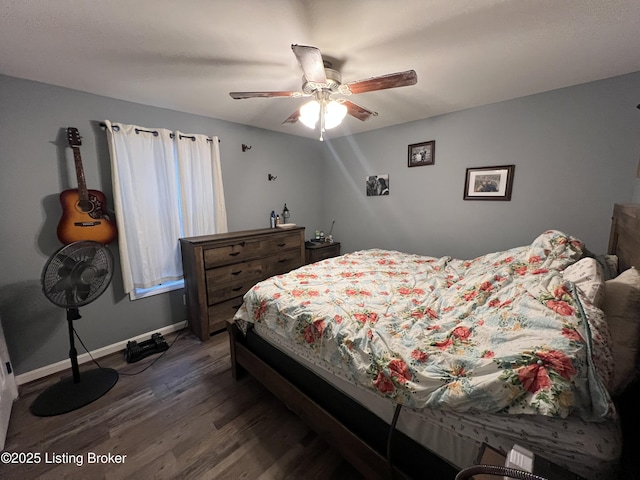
84,215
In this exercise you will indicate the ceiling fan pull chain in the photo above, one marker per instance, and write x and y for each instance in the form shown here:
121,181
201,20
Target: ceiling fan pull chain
323,104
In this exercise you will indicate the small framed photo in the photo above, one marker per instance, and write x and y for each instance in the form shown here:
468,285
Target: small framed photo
422,154
377,185
489,183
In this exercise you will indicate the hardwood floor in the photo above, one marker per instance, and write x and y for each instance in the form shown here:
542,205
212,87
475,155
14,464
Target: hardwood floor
183,417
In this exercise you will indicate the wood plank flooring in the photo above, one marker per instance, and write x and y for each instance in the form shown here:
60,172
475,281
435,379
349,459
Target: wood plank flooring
182,418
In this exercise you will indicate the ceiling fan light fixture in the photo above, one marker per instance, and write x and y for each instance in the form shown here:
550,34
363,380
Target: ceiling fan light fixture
309,113
334,113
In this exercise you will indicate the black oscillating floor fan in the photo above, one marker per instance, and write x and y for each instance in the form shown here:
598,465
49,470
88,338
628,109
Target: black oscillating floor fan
74,276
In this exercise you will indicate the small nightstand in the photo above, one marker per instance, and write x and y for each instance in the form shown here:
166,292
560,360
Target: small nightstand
314,252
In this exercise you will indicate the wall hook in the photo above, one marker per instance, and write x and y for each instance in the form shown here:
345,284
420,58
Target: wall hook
271,177
246,147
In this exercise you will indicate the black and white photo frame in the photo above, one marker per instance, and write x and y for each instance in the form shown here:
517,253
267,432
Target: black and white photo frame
421,154
377,185
489,183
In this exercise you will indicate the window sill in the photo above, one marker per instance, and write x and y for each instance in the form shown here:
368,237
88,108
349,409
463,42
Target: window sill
139,293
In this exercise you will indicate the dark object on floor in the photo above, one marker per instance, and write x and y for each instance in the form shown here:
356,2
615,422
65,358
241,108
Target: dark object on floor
137,351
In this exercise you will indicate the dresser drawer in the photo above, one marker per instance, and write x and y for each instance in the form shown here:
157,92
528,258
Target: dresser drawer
234,252
219,293
221,312
238,272
284,242
234,280
283,262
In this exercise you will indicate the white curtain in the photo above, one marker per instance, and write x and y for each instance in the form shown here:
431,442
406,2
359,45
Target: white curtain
201,190
164,187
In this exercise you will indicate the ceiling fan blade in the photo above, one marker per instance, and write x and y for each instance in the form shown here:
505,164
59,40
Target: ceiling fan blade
293,118
358,111
310,59
382,82
243,95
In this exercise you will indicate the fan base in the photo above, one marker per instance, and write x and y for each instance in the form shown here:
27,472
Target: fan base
66,396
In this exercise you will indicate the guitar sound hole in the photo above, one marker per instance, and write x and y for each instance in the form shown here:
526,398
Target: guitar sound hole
85,206
92,206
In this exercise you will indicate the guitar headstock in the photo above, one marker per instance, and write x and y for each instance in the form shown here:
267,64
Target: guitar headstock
74,137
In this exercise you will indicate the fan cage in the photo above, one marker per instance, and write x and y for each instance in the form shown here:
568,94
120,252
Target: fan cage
77,274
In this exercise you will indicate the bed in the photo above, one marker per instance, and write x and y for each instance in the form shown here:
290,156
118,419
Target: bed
407,364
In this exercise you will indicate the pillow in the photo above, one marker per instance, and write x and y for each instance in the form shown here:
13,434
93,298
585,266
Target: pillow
588,277
622,307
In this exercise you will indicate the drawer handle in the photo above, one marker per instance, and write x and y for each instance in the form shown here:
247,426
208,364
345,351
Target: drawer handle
238,272
282,244
237,289
241,244
283,260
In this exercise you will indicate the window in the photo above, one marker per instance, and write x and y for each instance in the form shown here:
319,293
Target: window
166,185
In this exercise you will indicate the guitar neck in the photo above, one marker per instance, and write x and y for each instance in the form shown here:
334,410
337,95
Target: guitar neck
83,194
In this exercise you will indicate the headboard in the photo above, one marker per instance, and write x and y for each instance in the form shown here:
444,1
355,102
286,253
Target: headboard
624,240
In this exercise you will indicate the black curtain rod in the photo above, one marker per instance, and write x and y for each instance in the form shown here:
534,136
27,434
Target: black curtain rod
154,132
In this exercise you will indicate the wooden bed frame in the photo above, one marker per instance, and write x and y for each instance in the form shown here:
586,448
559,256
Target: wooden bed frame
624,240
359,435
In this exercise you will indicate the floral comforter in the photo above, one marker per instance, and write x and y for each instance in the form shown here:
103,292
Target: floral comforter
502,333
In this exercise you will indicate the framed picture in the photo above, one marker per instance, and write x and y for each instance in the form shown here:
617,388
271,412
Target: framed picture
489,183
422,154
377,185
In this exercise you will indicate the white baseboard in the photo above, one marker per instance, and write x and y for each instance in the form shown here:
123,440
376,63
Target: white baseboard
100,352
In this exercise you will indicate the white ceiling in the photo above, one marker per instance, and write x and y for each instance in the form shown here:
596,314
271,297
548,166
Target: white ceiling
188,55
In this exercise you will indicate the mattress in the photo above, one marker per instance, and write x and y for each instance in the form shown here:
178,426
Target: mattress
590,449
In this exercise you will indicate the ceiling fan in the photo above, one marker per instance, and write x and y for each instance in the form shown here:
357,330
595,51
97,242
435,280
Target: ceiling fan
324,84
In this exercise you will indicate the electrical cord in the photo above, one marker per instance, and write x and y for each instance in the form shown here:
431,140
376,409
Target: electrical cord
498,471
128,374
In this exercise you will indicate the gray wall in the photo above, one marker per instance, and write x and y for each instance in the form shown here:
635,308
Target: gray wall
576,151
37,165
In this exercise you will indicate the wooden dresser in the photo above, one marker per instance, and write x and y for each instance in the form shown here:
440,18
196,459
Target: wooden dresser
219,269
